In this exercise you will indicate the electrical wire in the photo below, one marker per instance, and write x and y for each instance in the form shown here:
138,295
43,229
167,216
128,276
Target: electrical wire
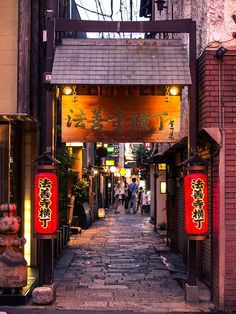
125,10
111,9
121,10
91,11
99,3
121,7
85,11
96,3
131,10
136,8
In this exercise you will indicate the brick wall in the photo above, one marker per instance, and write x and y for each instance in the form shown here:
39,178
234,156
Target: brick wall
217,80
215,229
230,210
208,90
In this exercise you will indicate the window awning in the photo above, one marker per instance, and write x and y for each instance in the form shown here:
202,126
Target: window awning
121,62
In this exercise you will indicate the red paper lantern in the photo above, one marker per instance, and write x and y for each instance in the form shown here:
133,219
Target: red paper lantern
196,204
45,203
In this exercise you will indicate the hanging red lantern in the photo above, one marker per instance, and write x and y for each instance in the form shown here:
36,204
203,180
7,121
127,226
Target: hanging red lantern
45,203
196,204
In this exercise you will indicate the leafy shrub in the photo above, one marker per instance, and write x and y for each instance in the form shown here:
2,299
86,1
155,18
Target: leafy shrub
81,190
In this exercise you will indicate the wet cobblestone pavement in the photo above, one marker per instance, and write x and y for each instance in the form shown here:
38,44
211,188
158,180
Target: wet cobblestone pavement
118,264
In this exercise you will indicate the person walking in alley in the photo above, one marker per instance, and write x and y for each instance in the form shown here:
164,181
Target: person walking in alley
122,185
132,191
126,197
140,198
118,197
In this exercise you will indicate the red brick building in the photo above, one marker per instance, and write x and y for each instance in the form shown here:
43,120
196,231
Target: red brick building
216,143
217,96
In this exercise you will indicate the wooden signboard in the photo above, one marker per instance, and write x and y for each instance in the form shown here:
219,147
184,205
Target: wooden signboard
120,118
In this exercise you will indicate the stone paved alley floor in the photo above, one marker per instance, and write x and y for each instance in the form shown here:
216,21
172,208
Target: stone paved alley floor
119,264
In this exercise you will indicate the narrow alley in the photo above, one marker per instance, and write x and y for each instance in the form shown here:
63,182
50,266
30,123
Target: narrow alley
120,263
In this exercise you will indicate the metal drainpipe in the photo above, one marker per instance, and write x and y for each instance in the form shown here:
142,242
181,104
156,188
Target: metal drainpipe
9,165
222,185
155,197
192,144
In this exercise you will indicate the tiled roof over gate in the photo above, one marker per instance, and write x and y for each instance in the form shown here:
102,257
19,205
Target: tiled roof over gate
121,62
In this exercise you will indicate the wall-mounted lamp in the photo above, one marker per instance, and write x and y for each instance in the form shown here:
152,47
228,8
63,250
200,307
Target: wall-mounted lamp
74,144
95,171
163,187
67,90
161,5
174,90
113,169
220,52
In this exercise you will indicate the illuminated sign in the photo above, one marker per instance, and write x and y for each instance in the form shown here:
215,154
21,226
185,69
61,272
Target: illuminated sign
163,187
45,203
120,119
196,204
123,172
161,166
110,149
110,162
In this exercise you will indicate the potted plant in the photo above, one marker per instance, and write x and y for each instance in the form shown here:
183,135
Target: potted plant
81,190
81,193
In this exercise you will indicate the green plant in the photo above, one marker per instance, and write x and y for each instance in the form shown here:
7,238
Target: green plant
162,226
81,190
64,175
141,154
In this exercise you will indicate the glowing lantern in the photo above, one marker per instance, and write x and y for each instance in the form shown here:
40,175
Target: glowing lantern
101,213
45,203
123,172
196,204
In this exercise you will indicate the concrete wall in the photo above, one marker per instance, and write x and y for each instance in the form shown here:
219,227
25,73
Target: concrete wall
213,18
8,55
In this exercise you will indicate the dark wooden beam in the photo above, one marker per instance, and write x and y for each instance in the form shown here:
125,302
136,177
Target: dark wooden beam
46,262
167,26
192,143
35,60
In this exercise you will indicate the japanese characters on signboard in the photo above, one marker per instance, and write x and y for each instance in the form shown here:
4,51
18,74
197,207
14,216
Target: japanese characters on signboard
120,118
45,203
196,204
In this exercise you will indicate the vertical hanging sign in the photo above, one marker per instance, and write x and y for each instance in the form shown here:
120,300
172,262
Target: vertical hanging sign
196,204
45,203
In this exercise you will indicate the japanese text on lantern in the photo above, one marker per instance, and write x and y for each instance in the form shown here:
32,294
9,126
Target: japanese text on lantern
198,214
46,195
196,203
